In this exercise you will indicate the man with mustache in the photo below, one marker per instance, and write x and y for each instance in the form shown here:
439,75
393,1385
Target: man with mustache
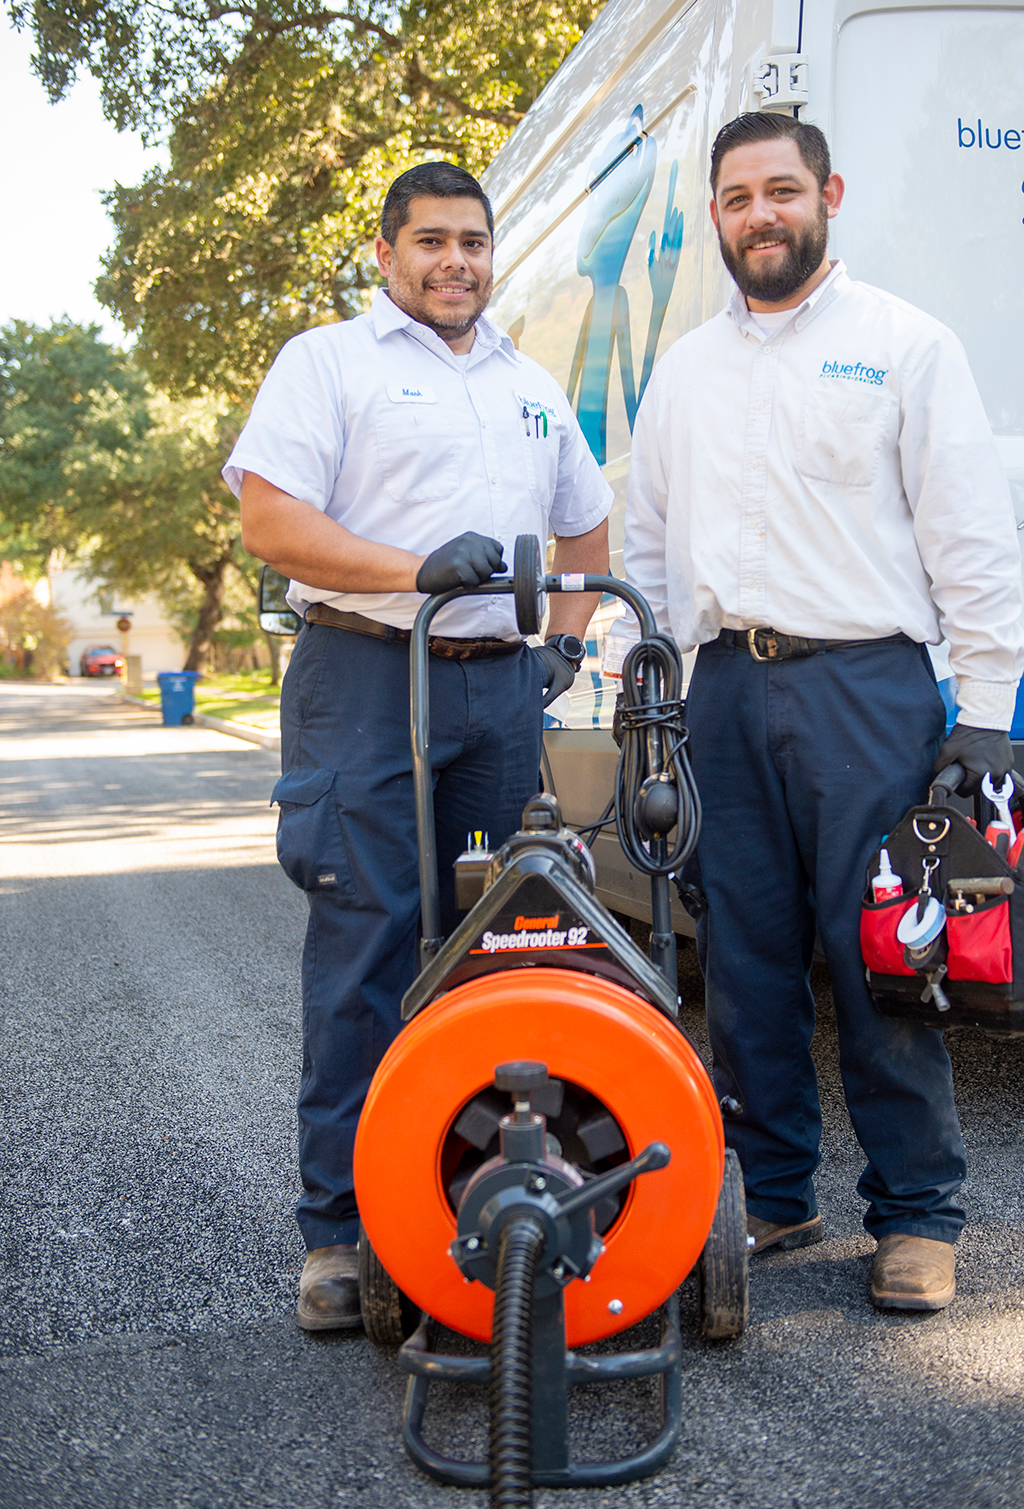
387,457
815,497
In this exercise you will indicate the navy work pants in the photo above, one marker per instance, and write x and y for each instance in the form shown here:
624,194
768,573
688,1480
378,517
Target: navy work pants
347,836
802,766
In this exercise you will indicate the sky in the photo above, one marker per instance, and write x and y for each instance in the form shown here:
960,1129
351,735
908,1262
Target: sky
56,161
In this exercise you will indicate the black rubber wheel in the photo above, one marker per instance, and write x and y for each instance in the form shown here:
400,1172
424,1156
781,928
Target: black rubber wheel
187,718
723,1266
525,576
389,1316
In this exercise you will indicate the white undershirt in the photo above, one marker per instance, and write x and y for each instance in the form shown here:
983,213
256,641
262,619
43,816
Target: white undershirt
769,322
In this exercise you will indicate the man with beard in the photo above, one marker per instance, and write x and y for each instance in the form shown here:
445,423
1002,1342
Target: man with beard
815,497
387,457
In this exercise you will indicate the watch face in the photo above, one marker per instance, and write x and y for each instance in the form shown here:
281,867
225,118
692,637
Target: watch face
572,648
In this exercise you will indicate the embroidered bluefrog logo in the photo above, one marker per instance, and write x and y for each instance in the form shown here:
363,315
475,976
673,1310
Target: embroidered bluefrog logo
856,372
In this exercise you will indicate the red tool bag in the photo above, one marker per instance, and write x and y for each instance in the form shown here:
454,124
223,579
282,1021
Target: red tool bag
969,973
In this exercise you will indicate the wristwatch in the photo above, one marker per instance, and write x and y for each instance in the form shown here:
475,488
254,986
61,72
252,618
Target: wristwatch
567,645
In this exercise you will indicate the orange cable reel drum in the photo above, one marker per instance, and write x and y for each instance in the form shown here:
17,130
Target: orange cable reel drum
606,1045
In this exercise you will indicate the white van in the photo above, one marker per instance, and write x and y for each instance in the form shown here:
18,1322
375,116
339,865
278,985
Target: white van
605,253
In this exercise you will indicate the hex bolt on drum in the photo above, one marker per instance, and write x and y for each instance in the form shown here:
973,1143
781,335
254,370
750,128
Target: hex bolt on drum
540,1161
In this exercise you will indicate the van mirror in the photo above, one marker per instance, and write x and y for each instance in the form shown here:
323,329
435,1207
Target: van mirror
275,615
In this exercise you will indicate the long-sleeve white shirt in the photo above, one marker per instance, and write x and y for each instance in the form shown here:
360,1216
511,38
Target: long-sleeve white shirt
835,479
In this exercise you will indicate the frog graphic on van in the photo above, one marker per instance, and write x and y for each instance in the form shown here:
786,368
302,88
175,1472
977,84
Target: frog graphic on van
614,208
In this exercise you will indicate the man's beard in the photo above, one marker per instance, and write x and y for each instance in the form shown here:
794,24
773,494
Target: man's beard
771,284
413,299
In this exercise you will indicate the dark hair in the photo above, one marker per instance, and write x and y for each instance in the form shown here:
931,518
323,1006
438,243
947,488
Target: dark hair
437,180
764,126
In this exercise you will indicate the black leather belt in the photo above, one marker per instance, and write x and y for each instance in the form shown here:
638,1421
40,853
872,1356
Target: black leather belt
445,649
769,644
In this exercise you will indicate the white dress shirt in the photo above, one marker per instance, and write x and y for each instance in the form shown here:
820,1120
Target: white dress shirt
835,478
378,424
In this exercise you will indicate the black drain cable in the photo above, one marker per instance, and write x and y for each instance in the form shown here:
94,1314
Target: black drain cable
519,1248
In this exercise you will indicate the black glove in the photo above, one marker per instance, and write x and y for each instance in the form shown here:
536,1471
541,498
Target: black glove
981,752
468,561
559,672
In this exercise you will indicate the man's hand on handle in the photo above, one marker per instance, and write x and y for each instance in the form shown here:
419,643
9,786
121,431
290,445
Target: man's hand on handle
467,561
981,752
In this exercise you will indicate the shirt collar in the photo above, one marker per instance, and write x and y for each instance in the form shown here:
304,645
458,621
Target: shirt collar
828,289
386,318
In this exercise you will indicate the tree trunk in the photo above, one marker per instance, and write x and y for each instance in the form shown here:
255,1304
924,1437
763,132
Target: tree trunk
212,578
274,651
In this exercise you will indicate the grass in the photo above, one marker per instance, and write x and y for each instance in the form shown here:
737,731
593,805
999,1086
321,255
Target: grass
245,697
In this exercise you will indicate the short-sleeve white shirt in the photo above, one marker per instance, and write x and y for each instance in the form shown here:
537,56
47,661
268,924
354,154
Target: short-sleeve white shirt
375,422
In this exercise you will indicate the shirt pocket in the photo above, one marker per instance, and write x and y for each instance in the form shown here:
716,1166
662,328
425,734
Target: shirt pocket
540,442
842,429
418,452
310,843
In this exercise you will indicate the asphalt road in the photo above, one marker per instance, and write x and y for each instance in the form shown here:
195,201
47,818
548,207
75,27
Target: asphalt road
149,948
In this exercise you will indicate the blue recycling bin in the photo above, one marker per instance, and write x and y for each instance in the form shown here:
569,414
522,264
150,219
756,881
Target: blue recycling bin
177,696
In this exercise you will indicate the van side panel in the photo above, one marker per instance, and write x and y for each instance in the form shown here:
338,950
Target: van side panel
928,130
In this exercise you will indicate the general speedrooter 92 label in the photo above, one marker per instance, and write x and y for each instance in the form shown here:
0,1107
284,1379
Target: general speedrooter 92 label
553,932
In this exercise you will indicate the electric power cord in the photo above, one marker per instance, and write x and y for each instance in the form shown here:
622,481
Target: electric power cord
648,805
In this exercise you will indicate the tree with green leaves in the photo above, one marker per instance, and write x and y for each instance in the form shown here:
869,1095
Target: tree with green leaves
161,519
63,392
285,124
96,462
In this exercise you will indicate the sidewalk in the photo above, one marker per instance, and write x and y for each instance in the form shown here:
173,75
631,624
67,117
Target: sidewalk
233,705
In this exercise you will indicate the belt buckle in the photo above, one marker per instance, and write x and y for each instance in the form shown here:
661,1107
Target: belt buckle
771,644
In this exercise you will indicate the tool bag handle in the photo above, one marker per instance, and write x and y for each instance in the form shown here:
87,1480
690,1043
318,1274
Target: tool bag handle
947,781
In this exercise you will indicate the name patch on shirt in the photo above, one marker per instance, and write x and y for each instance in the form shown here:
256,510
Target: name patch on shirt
856,373
421,392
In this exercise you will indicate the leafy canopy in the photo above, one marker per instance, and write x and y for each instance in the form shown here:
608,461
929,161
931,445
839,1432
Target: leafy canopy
122,477
64,395
286,122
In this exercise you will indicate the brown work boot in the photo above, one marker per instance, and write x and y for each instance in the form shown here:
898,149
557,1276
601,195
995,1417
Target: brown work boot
777,1234
913,1273
329,1290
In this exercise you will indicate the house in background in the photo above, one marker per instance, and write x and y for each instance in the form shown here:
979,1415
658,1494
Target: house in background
93,616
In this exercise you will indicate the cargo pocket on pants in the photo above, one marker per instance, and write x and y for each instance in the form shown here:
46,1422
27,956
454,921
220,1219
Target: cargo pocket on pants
310,843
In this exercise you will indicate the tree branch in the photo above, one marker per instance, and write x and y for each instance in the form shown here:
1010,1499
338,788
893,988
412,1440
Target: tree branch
261,22
416,75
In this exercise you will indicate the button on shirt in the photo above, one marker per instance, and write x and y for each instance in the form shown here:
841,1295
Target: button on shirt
836,479
378,424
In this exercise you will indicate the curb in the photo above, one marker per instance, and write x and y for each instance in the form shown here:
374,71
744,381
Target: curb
240,731
228,726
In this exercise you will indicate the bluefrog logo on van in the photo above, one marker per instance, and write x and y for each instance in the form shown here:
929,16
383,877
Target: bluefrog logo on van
855,373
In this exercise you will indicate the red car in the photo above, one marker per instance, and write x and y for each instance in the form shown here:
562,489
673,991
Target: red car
101,660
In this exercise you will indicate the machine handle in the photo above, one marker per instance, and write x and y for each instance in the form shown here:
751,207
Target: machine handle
419,709
656,1155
